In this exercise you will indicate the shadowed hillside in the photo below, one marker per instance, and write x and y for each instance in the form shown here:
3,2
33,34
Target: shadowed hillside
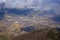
42,34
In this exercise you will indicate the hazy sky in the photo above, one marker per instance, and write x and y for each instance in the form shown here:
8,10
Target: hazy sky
23,3
37,4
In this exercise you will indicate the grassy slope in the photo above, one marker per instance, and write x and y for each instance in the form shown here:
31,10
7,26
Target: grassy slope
3,36
42,34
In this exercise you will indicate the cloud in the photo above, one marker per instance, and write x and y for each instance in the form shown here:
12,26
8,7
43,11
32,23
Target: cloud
22,3
1,1
36,4
18,3
30,3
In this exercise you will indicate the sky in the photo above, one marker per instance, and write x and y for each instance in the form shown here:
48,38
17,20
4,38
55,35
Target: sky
36,4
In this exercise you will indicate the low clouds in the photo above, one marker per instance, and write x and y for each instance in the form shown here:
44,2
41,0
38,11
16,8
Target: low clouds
19,3
30,3
1,1
36,4
23,3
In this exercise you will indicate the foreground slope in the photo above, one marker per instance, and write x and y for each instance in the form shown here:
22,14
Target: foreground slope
42,34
